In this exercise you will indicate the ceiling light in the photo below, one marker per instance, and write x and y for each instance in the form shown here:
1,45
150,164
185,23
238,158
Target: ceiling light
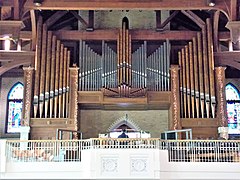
211,3
37,2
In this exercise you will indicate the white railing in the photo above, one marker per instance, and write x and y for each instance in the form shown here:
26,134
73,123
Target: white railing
204,151
70,150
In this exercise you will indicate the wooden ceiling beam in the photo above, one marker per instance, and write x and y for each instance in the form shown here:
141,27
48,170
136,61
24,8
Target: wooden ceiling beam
135,34
126,5
55,17
227,58
112,35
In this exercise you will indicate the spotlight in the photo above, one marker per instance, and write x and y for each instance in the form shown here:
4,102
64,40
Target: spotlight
211,3
37,2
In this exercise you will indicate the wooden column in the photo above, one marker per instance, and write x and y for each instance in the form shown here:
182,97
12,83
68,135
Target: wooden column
174,122
221,96
27,95
73,97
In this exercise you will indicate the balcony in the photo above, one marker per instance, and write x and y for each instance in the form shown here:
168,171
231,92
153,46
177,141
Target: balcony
110,158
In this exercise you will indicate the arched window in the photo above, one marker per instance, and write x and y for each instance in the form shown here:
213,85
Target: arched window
14,107
233,109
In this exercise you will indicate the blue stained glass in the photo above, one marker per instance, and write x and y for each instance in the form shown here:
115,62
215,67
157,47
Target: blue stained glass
15,103
233,109
231,92
16,92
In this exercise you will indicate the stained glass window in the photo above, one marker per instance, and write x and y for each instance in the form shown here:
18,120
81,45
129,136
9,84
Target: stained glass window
15,102
231,92
233,109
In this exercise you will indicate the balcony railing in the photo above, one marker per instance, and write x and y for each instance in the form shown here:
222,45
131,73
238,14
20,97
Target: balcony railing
71,150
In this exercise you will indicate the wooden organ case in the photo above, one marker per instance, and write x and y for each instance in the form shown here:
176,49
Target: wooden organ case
124,71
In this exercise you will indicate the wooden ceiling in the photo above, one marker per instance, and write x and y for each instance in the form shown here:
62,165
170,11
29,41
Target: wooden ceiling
185,17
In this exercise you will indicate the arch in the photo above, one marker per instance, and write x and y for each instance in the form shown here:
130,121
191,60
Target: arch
14,108
232,92
126,21
124,120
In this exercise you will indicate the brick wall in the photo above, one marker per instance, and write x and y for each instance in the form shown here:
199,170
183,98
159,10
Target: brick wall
93,122
137,19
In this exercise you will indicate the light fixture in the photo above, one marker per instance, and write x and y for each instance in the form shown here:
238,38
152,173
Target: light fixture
37,2
234,27
211,3
7,43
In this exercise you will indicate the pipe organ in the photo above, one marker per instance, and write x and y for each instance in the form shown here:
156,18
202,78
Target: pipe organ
158,65
197,88
120,71
124,68
51,84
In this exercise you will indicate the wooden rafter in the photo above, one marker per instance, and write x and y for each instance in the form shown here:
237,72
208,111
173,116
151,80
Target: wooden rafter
194,18
167,20
63,23
76,15
55,17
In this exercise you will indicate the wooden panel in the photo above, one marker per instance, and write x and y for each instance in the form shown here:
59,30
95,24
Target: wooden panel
50,122
90,97
96,100
46,128
108,100
199,122
205,133
157,97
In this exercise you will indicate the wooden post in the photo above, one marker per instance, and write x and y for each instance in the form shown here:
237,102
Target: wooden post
175,100
73,98
221,96
27,95
221,99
